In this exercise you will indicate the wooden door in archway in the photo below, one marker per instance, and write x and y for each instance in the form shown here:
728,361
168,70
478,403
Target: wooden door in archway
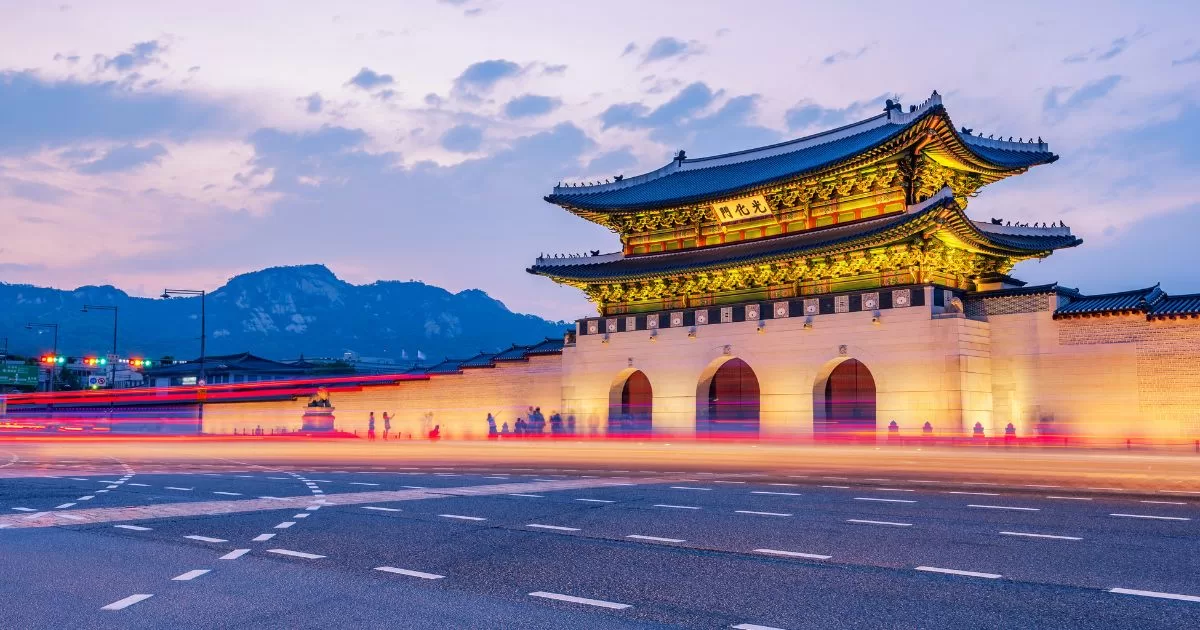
733,401
849,403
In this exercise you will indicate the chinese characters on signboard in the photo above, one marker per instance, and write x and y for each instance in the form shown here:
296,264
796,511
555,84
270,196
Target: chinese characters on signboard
754,207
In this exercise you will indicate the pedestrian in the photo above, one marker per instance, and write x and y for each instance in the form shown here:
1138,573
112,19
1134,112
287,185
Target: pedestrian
556,424
520,427
387,424
491,422
436,432
371,427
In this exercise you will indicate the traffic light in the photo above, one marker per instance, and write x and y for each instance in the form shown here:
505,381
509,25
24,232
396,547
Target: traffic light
48,359
60,360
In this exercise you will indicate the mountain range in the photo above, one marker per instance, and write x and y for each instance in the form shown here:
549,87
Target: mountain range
280,313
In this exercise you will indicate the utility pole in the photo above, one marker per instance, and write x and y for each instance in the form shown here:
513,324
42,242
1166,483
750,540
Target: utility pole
201,381
54,363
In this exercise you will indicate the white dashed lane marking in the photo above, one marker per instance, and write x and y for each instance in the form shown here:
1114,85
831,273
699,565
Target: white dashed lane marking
792,554
285,524
865,522
1050,536
228,494
595,500
1070,498
783,494
1131,591
175,488
410,573
206,539
530,496
136,528
380,509
127,602
751,626
655,538
553,527
579,600
190,575
262,537
463,518
677,507
688,488
883,500
1157,518
752,512
1004,507
296,554
235,554
990,576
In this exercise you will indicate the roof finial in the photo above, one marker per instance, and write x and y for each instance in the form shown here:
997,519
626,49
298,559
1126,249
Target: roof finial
681,156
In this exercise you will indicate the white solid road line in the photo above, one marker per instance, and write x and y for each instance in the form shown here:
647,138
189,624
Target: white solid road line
883,500
751,626
230,494
262,537
136,528
990,576
579,600
463,518
285,524
1159,518
190,575
655,538
782,494
677,507
127,602
206,539
1004,507
760,513
1131,591
235,554
554,527
380,509
411,573
688,488
792,554
595,500
1041,536
864,522
295,554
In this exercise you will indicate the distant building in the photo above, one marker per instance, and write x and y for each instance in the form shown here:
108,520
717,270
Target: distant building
227,369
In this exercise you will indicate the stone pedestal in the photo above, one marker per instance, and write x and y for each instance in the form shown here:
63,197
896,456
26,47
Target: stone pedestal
318,419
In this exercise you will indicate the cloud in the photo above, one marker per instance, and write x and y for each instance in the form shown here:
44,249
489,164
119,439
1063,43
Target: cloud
1192,58
530,105
293,157
1117,47
670,47
139,55
845,55
368,79
1080,98
124,158
37,192
481,76
313,103
683,119
462,139
36,113
612,161
630,48
433,100
809,114
386,95
555,69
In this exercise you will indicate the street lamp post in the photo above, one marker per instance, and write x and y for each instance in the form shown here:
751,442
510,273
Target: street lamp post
54,365
168,293
112,379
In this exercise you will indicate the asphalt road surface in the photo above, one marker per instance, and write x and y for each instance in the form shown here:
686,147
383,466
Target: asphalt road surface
139,543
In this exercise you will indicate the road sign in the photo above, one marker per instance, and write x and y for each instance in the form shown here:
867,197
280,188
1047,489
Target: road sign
19,375
97,381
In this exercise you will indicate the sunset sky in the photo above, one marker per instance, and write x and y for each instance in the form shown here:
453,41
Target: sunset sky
146,144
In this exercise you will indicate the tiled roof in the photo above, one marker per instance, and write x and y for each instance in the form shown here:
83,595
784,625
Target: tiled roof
552,345
449,366
241,362
515,353
686,181
1033,290
1135,301
1177,306
481,360
790,244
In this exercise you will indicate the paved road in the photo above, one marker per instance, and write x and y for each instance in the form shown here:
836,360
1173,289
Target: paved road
144,543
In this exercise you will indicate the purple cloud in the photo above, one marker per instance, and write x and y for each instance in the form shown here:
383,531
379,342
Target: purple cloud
368,79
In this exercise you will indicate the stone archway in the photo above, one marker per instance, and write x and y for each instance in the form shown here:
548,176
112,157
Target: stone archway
631,404
727,400
844,402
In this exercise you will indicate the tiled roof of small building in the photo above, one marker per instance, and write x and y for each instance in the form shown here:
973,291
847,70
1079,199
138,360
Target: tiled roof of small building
1027,290
1135,301
552,345
1173,306
449,366
685,181
515,353
481,360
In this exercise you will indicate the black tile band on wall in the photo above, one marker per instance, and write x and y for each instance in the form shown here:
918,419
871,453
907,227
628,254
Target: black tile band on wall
826,305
